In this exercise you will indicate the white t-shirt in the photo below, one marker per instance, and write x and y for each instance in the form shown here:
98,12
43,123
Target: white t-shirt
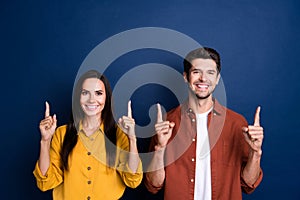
202,189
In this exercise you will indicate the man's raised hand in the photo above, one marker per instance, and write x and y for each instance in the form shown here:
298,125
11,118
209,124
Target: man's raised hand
254,134
163,129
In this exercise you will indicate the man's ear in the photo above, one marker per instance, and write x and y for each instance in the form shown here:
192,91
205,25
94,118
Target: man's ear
218,78
185,77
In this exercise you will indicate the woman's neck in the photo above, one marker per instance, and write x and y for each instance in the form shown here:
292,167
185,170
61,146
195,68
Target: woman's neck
91,124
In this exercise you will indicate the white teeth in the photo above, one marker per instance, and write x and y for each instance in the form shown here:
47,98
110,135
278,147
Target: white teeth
91,107
202,86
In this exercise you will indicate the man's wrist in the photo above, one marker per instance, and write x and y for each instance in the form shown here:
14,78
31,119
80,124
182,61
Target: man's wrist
256,154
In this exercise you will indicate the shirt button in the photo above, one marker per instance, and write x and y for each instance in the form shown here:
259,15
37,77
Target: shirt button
193,159
89,168
193,120
89,182
89,153
193,139
192,180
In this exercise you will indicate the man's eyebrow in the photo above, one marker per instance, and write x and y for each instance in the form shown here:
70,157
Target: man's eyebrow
193,69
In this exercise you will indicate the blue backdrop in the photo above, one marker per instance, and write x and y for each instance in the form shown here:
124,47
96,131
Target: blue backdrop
43,44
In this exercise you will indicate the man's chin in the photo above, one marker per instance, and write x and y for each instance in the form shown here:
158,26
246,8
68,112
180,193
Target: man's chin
201,97
198,95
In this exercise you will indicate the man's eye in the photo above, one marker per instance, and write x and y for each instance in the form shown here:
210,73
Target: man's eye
195,71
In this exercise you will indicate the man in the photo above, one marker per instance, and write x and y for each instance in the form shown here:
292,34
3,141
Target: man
204,150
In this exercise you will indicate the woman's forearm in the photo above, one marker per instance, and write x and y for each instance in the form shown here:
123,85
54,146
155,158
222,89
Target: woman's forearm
44,159
134,159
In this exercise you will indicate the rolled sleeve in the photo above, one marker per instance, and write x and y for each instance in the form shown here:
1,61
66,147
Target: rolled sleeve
48,181
54,174
150,186
248,189
131,179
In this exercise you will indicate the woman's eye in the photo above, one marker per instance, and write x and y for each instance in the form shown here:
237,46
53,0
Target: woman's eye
98,93
84,92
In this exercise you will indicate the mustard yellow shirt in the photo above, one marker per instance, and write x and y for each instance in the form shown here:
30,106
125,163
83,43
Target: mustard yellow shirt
88,176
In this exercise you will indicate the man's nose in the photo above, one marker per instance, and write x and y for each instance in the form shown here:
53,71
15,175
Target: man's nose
202,77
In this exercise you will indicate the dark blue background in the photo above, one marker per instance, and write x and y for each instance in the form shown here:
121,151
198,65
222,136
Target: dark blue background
43,44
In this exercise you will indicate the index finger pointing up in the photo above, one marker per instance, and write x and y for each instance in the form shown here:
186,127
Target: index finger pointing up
47,111
129,114
159,114
257,117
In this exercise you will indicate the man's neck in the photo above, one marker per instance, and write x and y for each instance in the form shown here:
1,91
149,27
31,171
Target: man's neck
201,105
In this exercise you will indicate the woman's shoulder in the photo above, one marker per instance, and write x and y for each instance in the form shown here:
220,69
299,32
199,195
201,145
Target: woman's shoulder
119,132
61,129
60,132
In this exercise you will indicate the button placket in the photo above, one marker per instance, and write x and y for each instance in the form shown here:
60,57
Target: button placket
88,174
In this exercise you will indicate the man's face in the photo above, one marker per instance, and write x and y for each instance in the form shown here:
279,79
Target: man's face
203,77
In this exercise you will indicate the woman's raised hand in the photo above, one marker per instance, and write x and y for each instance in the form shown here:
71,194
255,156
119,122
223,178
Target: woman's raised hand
48,124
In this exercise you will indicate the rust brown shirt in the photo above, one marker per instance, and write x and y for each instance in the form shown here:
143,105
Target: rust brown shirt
229,154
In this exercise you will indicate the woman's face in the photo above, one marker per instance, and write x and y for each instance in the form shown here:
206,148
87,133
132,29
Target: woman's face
93,96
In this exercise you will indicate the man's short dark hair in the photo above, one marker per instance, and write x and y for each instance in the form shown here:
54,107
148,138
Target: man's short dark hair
203,52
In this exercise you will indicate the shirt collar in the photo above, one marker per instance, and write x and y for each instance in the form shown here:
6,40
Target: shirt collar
218,109
81,131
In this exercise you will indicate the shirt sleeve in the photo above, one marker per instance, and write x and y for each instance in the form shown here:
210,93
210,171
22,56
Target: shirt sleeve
54,174
147,181
129,178
248,189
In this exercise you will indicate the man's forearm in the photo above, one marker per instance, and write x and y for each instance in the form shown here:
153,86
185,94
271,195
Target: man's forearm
155,175
252,169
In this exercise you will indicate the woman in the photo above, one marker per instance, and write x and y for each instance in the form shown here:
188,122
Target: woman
90,157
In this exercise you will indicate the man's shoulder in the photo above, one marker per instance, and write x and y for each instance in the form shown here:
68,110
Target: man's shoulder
174,112
235,116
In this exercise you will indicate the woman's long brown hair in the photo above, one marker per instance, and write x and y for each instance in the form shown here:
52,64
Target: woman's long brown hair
71,136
